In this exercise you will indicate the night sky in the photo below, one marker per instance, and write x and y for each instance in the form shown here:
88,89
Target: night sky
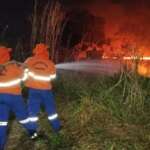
16,14
16,11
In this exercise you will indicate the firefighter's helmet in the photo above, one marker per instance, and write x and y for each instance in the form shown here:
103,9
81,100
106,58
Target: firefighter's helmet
41,50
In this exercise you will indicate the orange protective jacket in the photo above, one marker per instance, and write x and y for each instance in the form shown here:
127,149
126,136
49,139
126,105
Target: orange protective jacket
8,73
41,67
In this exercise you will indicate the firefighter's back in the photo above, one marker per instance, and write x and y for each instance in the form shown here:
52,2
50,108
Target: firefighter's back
39,67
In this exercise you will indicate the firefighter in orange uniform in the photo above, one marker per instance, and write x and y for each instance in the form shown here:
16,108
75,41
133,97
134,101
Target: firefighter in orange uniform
11,76
41,72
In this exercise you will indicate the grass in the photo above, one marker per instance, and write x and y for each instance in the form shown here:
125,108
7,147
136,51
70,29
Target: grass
97,113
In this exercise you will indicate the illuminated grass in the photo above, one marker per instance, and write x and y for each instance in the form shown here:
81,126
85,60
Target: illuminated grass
97,113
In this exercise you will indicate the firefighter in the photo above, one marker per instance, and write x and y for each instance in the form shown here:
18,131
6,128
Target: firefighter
11,76
41,72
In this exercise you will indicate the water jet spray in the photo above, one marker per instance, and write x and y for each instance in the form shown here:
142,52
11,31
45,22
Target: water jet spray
105,67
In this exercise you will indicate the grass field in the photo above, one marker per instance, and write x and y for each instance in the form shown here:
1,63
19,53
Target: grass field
97,113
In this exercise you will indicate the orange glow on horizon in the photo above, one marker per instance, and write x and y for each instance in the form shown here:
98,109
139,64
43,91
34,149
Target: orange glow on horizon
137,58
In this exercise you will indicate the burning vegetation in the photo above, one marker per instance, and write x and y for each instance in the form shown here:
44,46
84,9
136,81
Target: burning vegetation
97,111
126,31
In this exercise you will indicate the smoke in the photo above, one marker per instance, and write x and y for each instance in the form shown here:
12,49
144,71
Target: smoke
125,19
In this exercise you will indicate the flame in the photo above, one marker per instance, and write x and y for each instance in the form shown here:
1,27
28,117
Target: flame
142,66
127,28
143,69
136,58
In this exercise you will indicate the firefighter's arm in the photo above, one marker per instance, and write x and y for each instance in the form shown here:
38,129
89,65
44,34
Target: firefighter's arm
21,68
25,70
52,69
27,61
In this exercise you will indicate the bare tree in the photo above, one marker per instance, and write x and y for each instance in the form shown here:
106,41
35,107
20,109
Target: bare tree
48,27
34,25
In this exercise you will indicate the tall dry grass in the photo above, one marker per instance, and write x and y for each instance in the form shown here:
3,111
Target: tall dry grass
97,113
48,26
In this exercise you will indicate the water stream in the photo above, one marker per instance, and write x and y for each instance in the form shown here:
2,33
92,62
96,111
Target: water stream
107,67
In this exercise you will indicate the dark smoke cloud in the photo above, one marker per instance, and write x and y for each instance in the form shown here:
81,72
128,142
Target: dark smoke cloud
129,5
124,18
101,2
